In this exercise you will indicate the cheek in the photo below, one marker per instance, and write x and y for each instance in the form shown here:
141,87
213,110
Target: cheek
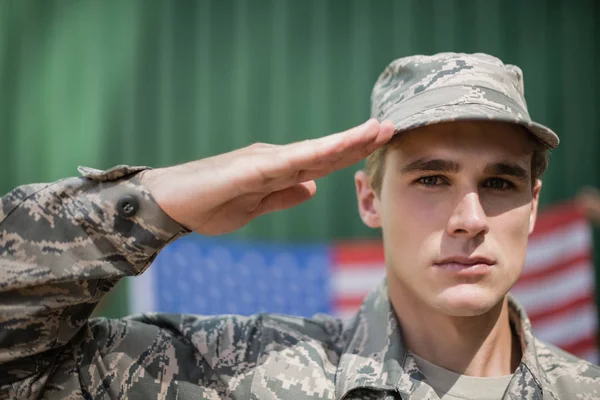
511,229
416,208
408,218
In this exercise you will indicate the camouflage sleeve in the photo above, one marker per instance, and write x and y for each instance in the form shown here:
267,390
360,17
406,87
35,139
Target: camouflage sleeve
63,246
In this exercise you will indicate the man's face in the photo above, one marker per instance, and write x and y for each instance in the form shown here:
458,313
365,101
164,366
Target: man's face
456,207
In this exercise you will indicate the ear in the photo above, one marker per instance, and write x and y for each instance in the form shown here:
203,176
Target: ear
534,204
368,202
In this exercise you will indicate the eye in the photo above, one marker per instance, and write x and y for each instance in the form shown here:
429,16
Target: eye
498,184
433,180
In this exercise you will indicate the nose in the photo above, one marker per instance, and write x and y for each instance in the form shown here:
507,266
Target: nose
468,218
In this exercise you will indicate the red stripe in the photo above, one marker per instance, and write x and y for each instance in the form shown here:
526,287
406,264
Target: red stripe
576,260
349,254
348,302
585,299
581,346
557,216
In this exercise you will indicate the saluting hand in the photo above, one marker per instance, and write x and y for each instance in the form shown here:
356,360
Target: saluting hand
220,194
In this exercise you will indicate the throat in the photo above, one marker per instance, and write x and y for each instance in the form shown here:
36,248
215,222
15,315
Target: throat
478,346
452,386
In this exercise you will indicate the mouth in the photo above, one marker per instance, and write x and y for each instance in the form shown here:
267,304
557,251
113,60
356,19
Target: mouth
466,265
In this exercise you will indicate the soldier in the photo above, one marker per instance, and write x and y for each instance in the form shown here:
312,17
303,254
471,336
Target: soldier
455,193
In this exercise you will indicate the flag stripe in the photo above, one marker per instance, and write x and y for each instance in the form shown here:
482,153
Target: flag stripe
348,302
357,282
570,306
365,266
556,217
586,347
353,254
588,353
531,277
141,292
554,291
568,328
558,246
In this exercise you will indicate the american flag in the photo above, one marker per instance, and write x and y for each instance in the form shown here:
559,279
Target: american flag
209,276
557,285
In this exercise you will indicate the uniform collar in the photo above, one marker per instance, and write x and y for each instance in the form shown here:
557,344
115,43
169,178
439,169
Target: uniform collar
375,356
528,377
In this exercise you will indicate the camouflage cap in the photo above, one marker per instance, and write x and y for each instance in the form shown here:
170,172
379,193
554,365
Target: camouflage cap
423,90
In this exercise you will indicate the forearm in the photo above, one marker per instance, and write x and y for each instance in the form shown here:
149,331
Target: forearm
62,247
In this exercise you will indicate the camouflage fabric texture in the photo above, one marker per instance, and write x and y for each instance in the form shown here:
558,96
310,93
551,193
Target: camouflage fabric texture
422,90
65,245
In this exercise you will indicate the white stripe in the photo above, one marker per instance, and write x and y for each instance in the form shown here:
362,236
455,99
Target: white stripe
356,282
345,314
142,292
568,328
591,355
558,245
552,292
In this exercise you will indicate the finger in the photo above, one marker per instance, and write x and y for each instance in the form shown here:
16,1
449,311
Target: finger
304,161
349,158
357,153
346,148
342,142
286,198
386,132
312,154
322,149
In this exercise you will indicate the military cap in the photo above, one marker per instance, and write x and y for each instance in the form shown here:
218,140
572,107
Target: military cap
423,90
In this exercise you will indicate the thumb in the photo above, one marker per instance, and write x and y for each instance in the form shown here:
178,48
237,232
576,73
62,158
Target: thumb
286,198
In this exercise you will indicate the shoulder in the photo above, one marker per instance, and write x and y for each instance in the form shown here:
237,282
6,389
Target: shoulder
216,336
271,326
567,374
226,353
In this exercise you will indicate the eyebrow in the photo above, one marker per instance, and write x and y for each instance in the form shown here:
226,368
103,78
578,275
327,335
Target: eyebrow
436,165
507,169
448,166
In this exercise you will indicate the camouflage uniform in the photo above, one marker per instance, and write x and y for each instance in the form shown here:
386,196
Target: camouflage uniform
65,245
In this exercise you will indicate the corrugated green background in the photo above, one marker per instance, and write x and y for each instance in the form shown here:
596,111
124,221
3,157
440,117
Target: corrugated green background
147,82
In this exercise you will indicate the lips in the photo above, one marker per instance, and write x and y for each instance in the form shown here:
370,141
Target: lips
466,261
472,264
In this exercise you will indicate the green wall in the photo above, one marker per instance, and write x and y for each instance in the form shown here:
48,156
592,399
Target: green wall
159,82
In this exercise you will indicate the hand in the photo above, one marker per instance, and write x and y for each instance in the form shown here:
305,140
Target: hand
220,194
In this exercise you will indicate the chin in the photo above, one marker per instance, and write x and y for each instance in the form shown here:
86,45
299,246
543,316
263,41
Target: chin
467,300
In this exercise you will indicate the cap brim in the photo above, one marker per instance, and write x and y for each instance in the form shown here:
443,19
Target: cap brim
467,112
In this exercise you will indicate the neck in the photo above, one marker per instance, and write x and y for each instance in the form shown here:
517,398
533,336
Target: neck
481,345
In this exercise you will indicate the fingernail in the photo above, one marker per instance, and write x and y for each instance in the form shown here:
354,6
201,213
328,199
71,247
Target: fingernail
388,122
